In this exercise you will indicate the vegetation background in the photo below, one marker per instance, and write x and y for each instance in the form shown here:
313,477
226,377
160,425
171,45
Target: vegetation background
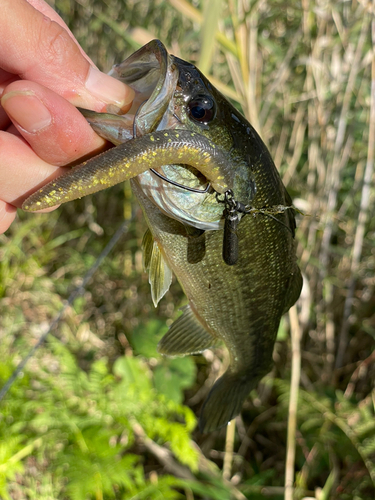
96,413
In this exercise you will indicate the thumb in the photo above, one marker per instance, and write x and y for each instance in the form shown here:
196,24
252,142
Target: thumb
37,48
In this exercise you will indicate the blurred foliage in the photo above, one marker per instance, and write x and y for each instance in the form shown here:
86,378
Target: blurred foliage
97,413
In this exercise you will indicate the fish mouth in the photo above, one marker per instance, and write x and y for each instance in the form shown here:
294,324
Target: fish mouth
178,190
151,73
198,209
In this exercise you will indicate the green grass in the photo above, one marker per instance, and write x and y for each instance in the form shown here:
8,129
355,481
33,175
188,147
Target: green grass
97,413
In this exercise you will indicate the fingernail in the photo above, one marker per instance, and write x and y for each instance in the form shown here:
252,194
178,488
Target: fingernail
108,89
26,110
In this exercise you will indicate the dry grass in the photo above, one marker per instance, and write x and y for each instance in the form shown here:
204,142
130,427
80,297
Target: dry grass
304,75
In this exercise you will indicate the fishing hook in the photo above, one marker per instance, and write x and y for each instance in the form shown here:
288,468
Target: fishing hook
161,176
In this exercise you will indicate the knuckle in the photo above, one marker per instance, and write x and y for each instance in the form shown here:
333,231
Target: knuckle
55,44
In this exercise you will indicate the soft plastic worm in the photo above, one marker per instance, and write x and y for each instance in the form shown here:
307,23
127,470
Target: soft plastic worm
132,158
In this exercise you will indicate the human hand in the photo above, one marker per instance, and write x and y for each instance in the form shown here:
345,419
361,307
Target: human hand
44,74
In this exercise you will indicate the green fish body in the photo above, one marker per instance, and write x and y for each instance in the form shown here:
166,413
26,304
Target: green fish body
188,132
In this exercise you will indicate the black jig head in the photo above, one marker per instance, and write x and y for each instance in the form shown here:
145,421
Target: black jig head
231,220
230,240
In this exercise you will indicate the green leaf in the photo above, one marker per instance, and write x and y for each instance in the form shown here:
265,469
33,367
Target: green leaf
145,338
133,373
173,376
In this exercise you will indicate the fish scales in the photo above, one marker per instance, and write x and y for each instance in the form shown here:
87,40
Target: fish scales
241,305
199,146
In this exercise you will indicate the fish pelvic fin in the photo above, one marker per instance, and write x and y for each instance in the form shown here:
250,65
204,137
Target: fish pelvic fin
159,273
225,400
186,336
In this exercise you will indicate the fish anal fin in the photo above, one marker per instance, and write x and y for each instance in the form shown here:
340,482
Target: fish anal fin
225,400
186,336
159,273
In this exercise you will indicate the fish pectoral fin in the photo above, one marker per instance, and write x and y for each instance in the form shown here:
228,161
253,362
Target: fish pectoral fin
159,273
225,400
186,336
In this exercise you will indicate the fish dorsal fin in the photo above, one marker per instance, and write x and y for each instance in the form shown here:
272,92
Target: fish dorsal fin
186,336
159,273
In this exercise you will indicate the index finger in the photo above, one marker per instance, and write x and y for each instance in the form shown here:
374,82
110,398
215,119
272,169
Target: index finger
38,48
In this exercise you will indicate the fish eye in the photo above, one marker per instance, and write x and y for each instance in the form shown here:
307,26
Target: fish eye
202,109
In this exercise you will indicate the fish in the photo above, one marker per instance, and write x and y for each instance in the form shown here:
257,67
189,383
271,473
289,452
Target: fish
219,217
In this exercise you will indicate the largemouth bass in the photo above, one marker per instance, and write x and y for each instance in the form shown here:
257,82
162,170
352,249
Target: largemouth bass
212,175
